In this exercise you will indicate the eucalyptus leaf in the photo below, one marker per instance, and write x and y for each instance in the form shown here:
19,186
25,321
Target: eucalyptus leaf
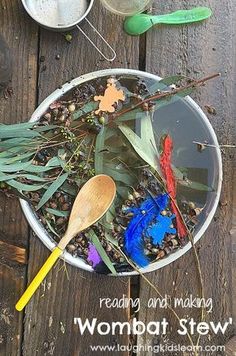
184,181
16,142
173,79
164,83
15,127
14,167
19,133
26,166
45,128
126,178
54,162
172,98
195,185
51,228
111,239
147,133
139,146
69,189
6,177
52,189
89,107
99,146
38,169
19,157
97,243
61,214
24,187
131,115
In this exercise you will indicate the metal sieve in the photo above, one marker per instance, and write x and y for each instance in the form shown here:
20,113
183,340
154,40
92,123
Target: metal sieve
64,15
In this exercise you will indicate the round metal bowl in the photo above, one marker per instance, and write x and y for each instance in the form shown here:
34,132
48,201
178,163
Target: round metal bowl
77,262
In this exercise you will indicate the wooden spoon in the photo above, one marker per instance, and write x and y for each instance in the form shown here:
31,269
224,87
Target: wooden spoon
91,203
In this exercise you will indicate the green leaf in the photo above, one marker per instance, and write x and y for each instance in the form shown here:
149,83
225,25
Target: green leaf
38,169
61,214
164,83
89,107
54,162
51,228
172,98
24,187
97,243
99,146
15,127
19,133
19,157
111,239
69,189
147,133
126,178
33,177
131,115
173,79
184,181
16,142
45,128
29,167
52,189
6,177
14,167
195,185
139,146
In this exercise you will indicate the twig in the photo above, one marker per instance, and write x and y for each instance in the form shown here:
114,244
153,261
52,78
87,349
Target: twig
214,146
162,95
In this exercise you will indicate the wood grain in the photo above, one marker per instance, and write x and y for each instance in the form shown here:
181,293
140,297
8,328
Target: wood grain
21,36
197,50
231,347
11,253
49,328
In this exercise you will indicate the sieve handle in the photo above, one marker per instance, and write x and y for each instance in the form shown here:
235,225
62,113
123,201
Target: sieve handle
94,45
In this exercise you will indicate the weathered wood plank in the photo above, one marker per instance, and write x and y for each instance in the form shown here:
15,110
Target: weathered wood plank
49,328
195,50
21,36
231,347
12,253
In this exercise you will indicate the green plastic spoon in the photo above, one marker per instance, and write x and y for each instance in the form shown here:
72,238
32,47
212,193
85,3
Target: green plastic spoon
138,24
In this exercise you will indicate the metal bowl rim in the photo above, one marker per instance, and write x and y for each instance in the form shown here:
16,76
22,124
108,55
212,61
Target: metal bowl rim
37,226
59,28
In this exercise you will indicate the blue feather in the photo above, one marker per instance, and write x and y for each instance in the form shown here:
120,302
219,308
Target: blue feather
143,216
161,226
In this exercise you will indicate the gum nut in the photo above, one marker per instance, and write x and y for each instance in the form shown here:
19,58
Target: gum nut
61,118
136,195
191,205
101,120
174,242
130,197
198,211
71,107
71,248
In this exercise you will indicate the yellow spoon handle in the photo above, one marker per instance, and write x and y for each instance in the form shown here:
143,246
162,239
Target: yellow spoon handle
38,278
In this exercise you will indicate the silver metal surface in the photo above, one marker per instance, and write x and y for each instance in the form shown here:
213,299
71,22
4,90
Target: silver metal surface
43,234
64,15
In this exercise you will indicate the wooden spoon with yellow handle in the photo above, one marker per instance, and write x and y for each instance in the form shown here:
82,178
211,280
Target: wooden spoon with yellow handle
92,202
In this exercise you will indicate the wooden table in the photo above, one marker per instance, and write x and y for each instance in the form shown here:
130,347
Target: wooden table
42,61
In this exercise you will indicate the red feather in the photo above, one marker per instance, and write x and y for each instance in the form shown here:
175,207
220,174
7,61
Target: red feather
165,163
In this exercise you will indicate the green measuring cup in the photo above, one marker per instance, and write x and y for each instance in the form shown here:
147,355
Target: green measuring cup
138,24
